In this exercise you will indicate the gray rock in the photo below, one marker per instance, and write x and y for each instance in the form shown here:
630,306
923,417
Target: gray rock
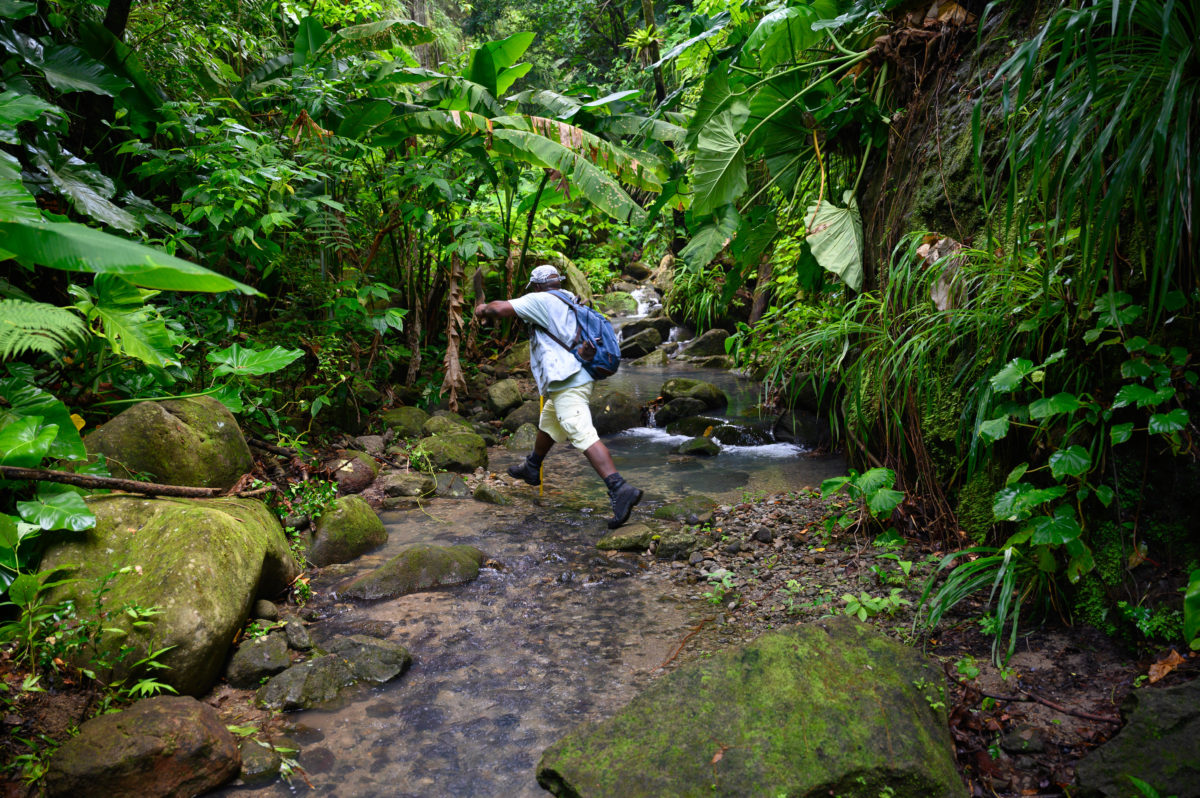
631,537
161,746
504,396
740,435
1023,739
266,610
371,444
803,428
694,509
307,684
257,658
637,270
613,411
680,407
660,324
807,723
712,396
419,567
445,423
406,421
707,344
522,440
346,530
260,761
527,413
489,495
297,635
644,342
675,545
764,535
693,425
372,659
1160,744
407,483
451,486
455,451
656,358
722,362
700,447
352,471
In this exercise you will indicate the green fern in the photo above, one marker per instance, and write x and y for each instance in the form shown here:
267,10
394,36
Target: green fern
36,327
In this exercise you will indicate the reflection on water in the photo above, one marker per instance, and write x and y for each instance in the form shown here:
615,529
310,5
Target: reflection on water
559,634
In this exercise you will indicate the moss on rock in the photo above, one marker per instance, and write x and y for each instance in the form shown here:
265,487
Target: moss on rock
712,396
408,422
462,451
419,567
347,529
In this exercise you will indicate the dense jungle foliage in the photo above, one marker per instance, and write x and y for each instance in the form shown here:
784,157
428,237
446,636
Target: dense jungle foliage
964,233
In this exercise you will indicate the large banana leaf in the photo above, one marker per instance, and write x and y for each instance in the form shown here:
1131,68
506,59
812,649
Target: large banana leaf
714,26
490,60
645,173
836,238
403,31
144,99
70,69
633,125
719,174
16,203
311,36
16,108
75,248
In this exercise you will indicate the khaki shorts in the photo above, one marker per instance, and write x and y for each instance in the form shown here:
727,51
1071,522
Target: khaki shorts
566,416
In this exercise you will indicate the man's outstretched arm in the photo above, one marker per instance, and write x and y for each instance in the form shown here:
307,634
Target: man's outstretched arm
500,309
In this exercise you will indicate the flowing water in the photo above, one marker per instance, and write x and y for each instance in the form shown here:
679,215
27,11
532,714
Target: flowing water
557,634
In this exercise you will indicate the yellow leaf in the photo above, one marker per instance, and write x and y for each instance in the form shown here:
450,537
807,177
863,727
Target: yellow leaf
78,421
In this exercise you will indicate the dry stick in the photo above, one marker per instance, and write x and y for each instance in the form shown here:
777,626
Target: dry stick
1032,698
686,638
113,483
272,448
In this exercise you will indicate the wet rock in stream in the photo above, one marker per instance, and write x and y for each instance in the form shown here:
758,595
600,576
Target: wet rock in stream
419,567
352,659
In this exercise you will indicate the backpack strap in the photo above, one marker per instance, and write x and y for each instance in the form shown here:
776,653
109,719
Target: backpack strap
554,337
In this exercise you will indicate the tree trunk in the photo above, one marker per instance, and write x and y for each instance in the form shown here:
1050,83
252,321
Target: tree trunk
117,16
660,88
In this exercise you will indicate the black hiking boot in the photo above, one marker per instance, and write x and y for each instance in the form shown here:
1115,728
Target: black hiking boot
526,471
623,499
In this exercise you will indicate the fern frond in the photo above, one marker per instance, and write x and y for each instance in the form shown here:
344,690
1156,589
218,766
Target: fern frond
36,327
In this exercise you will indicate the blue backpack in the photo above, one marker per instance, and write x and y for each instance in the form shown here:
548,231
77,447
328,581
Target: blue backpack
595,343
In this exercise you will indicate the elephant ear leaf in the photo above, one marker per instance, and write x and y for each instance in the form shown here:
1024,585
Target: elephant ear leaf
836,239
70,69
720,175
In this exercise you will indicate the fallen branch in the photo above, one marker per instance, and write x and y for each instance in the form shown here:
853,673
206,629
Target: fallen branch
272,448
1031,698
686,638
94,482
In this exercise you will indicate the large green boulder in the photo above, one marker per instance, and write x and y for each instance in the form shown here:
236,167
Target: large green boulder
1160,744
347,529
830,708
202,562
408,422
523,439
616,303
613,411
631,537
446,423
455,451
707,344
504,396
643,343
527,413
195,442
712,396
419,567
699,446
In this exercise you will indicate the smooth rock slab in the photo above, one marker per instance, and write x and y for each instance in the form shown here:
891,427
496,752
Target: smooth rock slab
707,344
712,396
613,411
528,413
643,343
522,440
260,763
829,708
699,446
504,396
451,486
678,408
419,567
412,483
489,495
161,746
1160,744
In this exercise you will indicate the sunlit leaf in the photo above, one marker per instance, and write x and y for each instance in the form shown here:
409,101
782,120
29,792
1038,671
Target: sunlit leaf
235,359
1059,403
836,238
25,441
22,398
58,510
994,429
1009,377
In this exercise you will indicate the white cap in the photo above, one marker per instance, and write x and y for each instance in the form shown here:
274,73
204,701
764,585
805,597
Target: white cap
544,274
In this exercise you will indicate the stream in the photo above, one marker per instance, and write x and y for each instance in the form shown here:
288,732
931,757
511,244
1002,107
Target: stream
556,633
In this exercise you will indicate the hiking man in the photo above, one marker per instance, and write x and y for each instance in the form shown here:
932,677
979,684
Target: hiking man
564,383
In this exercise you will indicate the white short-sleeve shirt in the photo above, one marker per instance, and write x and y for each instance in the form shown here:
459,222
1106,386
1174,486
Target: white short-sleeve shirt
553,367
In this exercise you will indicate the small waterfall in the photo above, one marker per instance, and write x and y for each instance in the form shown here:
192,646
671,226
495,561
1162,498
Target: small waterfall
647,301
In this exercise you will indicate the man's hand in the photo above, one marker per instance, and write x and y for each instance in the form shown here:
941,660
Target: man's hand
501,309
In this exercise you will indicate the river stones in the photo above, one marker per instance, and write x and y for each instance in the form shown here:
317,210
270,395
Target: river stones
408,422
693,425
828,708
614,411
352,471
260,761
296,633
712,396
631,537
307,684
1160,744
161,746
347,529
660,324
194,442
522,440
462,451
488,495
444,423
707,344
699,447
656,358
527,413
451,486
258,657
644,342
694,509
504,396
419,567
412,483
675,545
680,407
637,270
202,562
371,444
721,362
739,435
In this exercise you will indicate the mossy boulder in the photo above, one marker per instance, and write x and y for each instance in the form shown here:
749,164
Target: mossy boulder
195,442
522,440
462,451
419,567
257,657
829,708
202,562
631,537
528,413
408,422
693,425
489,495
741,434
451,486
352,471
694,509
656,358
712,396
260,761
444,424
681,407
161,746
660,324
504,396
352,659
699,447
675,545
617,303
707,344
407,483
517,357
613,411
643,343
347,529
721,362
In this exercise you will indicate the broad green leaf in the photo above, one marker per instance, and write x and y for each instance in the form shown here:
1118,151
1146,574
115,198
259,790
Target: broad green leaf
783,35
89,190
1166,423
1191,609
16,203
236,360
1121,433
612,98
715,98
1104,494
65,510
836,238
633,125
882,502
76,248
130,326
490,59
1073,461
639,171
1009,377
874,479
8,532
707,242
1135,394
1016,502
1081,561
994,429
508,77
25,441
833,485
70,69
719,172
22,398
1115,311
1016,473
1059,403
1057,529
16,9
16,108
310,37
403,31
24,590
715,26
